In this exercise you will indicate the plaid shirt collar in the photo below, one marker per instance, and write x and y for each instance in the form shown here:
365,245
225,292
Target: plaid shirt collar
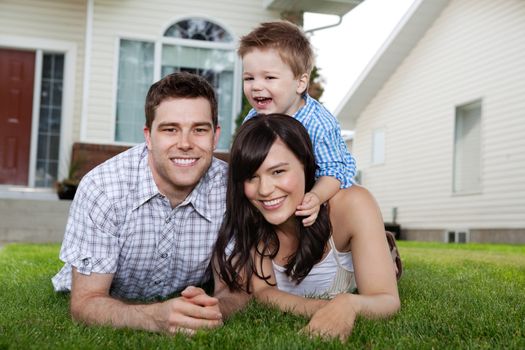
147,189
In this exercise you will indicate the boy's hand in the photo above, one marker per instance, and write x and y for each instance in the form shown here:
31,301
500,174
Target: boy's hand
309,207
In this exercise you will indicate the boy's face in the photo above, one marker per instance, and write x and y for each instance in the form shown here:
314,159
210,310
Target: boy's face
269,83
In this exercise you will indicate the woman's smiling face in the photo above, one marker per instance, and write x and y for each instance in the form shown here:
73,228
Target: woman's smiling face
277,187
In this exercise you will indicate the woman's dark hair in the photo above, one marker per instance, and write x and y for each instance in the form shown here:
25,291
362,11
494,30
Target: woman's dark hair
244,229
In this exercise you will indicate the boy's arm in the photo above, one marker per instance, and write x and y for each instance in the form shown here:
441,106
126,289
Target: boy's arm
334,159
324,189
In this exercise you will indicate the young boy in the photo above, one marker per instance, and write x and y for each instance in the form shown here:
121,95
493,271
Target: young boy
277,59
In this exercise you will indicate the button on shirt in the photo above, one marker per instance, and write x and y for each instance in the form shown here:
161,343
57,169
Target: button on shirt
120,224
331,153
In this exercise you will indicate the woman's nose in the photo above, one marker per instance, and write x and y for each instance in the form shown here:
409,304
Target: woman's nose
265,186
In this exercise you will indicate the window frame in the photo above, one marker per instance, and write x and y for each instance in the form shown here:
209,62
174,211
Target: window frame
459,112
373,160
161,40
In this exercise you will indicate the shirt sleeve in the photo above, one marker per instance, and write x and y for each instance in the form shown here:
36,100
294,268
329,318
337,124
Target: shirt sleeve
90,241
252,113
333,158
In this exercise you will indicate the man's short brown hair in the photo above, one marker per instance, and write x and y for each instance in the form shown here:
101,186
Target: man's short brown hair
285,37
180,85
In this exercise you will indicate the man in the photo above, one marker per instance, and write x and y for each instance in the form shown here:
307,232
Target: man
143,224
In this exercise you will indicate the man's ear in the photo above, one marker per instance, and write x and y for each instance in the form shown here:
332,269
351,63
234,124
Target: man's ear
216,136
147,136
302,84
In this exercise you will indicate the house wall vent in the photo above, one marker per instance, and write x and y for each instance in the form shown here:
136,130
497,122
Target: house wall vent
457,236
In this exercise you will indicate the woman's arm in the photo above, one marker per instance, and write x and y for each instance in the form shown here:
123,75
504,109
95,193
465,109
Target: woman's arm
374,269
271,295
229,302
357,224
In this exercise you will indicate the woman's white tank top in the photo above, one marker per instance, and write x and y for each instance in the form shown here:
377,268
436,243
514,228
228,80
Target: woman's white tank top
331,276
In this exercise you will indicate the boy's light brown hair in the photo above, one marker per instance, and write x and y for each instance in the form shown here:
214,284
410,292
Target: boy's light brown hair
288,39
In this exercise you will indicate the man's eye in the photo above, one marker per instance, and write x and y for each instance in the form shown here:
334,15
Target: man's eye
169,129
247,78
201,130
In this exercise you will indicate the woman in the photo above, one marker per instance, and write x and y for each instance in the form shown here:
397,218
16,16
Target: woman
264,249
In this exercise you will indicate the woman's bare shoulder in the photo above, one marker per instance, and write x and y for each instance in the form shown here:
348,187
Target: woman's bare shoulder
352,198
354,210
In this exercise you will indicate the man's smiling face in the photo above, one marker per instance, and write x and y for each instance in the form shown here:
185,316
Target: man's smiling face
181,142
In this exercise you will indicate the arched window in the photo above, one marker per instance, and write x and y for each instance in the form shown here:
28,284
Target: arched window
194,45
198,29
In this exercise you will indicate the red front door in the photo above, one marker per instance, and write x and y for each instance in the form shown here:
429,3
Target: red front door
17,70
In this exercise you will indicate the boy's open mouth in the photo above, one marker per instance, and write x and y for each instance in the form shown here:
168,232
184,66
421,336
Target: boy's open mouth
262,101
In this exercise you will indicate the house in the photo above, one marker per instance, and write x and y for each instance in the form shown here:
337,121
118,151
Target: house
77,71
438,117
74,75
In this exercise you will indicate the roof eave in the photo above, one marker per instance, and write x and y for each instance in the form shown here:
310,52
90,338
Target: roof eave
395,49
329,7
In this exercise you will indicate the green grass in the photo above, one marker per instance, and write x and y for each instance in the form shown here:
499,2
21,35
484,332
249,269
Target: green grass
453,296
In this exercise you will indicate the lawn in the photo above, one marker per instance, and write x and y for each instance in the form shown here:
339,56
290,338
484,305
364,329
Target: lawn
453,297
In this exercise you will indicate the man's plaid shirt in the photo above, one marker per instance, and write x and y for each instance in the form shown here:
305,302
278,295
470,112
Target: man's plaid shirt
120,224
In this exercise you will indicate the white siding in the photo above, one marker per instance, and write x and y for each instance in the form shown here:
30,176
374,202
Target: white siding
35,22
474,50
138,19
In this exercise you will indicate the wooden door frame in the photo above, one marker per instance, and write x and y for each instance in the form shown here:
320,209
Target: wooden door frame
41,46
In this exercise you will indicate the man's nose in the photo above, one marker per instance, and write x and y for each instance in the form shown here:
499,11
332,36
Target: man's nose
184,141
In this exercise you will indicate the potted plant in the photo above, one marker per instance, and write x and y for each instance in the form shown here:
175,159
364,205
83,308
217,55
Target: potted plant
67,188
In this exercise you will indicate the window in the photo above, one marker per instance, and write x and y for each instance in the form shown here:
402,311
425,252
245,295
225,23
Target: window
378,146
467,148
50,120
135,76
192,45
198,29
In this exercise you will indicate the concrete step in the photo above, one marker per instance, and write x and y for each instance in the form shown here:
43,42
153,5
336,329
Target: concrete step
33,220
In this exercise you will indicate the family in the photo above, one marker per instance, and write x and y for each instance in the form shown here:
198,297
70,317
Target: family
282,222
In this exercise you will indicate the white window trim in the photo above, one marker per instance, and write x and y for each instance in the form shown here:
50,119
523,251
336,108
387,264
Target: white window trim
480,189
160,40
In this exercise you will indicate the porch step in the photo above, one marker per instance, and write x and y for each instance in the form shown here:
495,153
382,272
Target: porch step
33,220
